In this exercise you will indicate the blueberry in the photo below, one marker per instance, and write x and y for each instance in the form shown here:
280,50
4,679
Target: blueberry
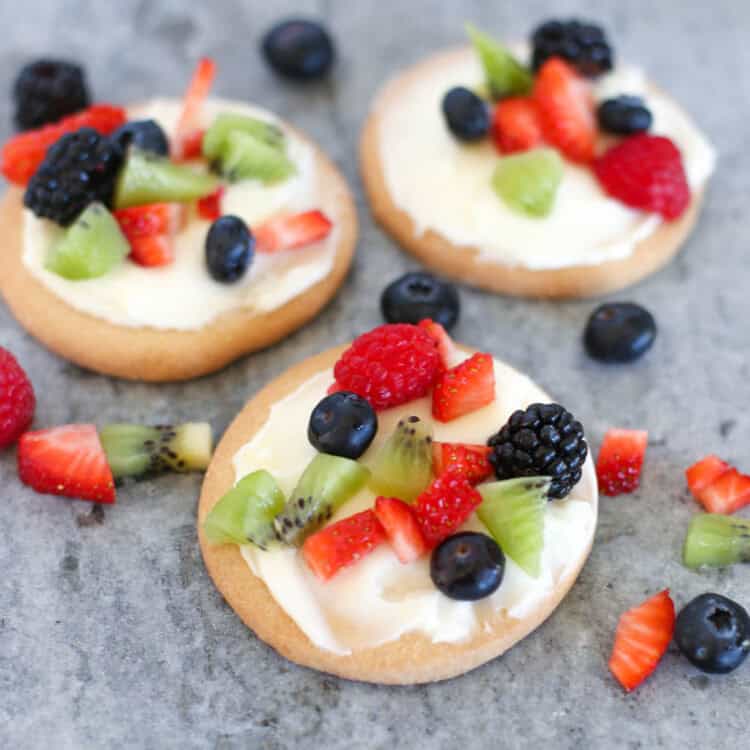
619,332
624,115
146,135
713,632
466,115
467,566
229,248
418,295
299,49
342,424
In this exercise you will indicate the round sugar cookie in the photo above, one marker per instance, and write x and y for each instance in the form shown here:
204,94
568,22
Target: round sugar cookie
413,658
464,263
160,355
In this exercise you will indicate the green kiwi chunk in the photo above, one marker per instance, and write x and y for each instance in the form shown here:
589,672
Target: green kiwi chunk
216,137
716,540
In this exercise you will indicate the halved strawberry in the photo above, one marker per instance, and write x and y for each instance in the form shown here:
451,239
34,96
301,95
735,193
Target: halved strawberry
566,109
618,467
401,527
188,131
464,389
209,208
291,231
642,638
727,494
444,506
68,461
152,250
342,543
446,347
151,219
705,472
192,145
516,125
470,461
22,154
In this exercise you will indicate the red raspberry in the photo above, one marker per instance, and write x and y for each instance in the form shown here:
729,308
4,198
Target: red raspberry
646,172
17,399
444,506
390,365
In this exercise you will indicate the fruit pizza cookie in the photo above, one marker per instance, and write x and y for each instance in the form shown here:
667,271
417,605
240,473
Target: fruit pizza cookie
549,170
400,510
162,241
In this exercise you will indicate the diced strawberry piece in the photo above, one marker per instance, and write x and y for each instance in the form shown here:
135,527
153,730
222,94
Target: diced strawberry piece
446,347
342,543
642,638
188,130
152,250
444,506
68,461
17,399
291,231
401,527
209,208
469,461
646,172
727,494
22,154
151,219
618,467
705,472
566,110
516,125
464,389
192,145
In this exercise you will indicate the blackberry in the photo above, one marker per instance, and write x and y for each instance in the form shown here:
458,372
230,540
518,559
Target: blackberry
47,90
584,45
80,168
544,440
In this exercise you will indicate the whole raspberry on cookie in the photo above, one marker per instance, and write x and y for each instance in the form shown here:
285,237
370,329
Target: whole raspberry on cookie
390,365
17,399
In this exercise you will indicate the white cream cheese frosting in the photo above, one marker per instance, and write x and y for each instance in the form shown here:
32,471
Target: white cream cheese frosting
378,599
444,185
182,295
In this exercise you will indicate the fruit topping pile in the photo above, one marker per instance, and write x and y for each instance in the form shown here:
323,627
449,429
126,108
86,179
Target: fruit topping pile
539,117
123,189
425,491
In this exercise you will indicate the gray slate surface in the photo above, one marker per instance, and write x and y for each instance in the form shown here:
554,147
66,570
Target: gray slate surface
111,633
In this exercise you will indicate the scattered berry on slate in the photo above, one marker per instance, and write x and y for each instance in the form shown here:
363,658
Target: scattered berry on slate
619,332
299,49
17,401
418,295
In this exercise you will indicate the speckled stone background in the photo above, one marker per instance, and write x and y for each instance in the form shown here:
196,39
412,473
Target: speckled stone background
111,633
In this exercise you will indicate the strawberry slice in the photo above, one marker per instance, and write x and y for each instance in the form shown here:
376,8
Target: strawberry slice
642,637
22,154
209,208
401,527
566,110
152,250
464,389
516,125
727,494
469,461
444,506
291,231
342,543
620,461
68,461
446,347
188,131
705,472
151,219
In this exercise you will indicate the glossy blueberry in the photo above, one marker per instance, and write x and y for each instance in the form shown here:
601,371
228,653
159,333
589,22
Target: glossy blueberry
299,49
713,632
418,295
229,248
467,566
466,115
342,424
624,115
146,135
619,332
